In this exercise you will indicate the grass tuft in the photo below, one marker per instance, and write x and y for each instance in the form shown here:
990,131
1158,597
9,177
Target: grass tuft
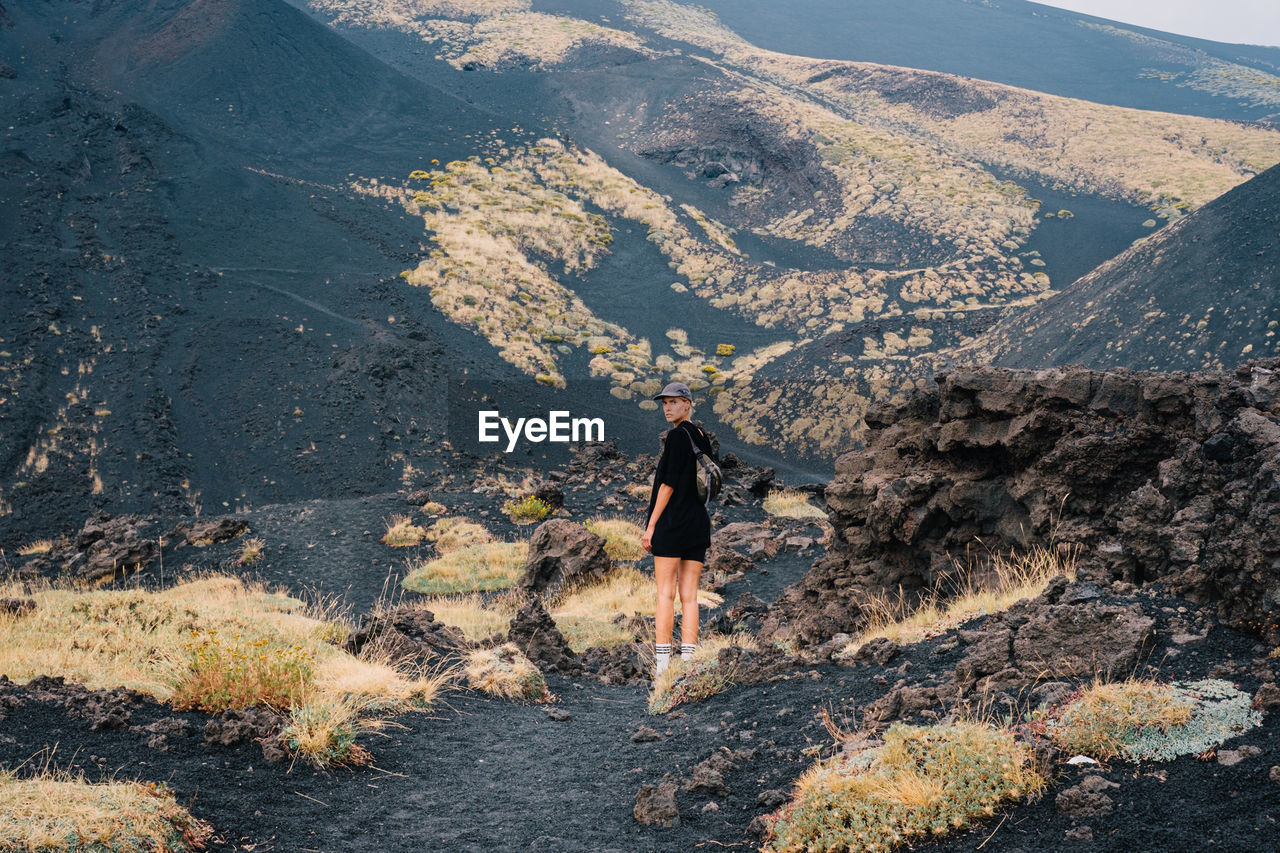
403,533
55,810
699,678
506,673
475,568
250,551
1141,719
920,783
621,538
40,546
451,534
792,504
1009,579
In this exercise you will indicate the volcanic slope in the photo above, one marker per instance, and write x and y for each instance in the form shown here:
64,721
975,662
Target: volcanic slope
857,214
1201,293
197,310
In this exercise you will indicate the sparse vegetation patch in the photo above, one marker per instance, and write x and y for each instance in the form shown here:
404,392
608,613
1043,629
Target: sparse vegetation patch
59,811
1141,719
922,782
475,568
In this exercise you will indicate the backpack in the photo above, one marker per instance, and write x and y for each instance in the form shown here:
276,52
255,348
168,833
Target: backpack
708,474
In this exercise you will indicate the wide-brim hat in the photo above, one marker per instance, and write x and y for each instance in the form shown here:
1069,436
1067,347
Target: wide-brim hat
675,389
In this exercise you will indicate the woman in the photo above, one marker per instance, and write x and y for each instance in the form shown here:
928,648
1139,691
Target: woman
679,530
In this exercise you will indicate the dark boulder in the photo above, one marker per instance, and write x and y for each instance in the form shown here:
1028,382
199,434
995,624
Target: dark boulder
562,552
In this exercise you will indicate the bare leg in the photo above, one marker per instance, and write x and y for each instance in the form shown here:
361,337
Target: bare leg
665,570
690,573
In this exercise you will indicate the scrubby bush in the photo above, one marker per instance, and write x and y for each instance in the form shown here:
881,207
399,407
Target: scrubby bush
476,568
58,811
1141,719
527,510
922,782
240,672
402,532
506,673
451,534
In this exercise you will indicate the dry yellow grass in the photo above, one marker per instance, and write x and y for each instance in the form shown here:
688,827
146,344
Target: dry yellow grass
475,568
1011,579
621,537
1104,715
476,618
453,534
251,550
921,782
791,504
198,641
39,546
403,533
43,811
506,673
698,678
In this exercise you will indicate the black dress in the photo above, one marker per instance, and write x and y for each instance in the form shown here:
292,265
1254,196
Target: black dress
684,528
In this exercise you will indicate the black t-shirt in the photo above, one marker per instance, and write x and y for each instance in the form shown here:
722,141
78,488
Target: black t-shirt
684,525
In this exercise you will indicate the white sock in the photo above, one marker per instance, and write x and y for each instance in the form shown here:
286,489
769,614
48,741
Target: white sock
686,650
662,657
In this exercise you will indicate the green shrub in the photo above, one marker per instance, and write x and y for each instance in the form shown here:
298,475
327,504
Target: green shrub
527,510
1144,720
922,782
236,673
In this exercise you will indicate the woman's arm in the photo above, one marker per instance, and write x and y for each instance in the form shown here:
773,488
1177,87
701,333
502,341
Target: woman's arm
660,503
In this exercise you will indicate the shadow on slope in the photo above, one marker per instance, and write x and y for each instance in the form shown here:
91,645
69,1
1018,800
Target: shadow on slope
1197,294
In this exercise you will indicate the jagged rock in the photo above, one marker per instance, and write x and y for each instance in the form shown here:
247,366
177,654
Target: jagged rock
406,632
237,726
1268,697
1148,476
1063,640
1232,757
1086,799
656,805
562,552
905,701
204,533
749,666
549,493
623,664
535,633
644,734
878,651
106,547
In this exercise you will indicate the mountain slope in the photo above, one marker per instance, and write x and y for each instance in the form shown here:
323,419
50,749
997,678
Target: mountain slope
197,310
1201,293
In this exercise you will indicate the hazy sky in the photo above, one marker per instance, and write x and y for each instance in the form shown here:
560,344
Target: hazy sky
1238,21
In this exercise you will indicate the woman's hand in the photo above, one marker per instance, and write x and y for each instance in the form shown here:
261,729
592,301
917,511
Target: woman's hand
646,541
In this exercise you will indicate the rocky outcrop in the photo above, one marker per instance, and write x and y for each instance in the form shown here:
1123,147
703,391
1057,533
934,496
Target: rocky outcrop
107,547
1147,476
535,633
406,633
562,552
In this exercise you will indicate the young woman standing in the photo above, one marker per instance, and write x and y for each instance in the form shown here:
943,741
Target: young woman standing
679,529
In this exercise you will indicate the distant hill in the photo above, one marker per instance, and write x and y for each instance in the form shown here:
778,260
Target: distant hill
1202,293
1024,44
